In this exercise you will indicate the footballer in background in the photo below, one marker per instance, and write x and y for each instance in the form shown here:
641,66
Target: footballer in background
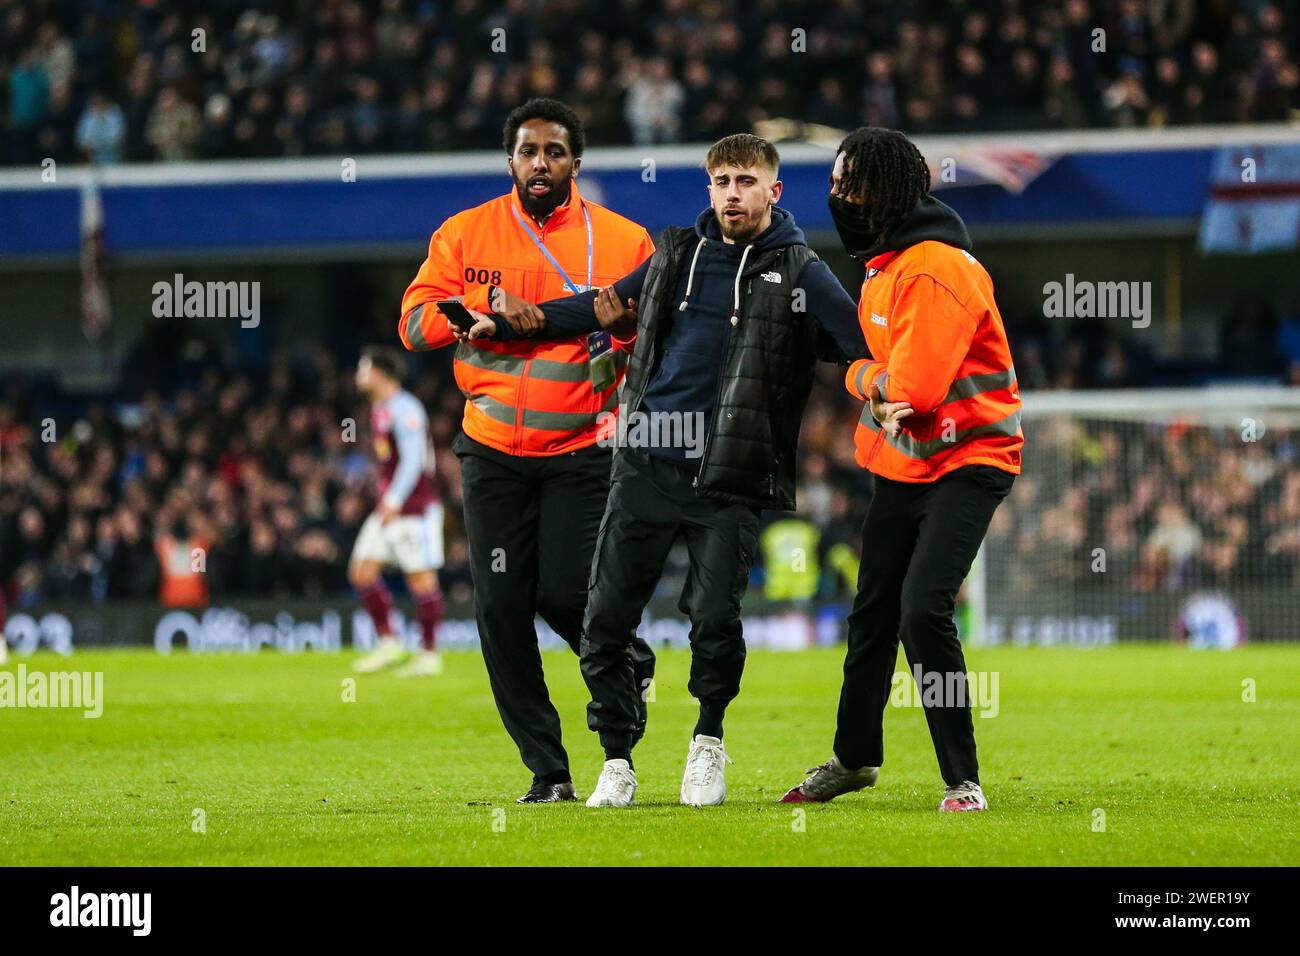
405,529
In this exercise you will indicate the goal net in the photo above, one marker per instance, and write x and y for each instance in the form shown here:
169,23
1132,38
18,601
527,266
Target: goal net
1148,515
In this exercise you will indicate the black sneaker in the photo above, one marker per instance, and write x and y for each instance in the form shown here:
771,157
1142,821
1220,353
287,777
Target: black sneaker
829,781
549,792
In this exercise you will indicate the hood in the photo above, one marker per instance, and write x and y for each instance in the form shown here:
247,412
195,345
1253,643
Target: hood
929,220
782,232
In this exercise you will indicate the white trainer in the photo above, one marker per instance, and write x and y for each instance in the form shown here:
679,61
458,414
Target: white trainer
388,652
616,786
703,784
423,664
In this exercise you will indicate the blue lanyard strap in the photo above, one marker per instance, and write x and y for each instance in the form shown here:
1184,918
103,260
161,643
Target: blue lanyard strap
547,252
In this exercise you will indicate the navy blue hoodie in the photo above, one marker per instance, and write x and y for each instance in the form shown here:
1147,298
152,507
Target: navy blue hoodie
686,378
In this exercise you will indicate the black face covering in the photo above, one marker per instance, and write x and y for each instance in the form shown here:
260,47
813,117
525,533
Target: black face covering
853,225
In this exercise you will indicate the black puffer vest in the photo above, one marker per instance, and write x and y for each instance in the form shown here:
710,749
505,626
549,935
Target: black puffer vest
749,451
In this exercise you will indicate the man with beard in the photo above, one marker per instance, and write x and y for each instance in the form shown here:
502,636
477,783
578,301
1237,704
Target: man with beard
940,431
535,478
730,316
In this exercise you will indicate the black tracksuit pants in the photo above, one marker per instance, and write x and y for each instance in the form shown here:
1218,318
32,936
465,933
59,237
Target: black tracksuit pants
918,543
532,526
652,503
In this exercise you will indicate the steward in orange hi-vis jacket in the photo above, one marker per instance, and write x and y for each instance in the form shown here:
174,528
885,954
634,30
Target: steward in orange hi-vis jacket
524,397
938,344
534,471
940,431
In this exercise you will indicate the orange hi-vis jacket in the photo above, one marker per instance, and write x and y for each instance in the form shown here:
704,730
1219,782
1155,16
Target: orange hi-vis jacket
937,341
523,397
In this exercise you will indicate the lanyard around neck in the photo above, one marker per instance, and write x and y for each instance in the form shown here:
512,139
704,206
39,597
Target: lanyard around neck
547,252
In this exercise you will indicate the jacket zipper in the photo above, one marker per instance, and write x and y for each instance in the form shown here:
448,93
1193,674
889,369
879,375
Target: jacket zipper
880,431
521,402
634,401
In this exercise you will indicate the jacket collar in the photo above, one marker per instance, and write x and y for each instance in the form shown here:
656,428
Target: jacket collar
876,263
570,212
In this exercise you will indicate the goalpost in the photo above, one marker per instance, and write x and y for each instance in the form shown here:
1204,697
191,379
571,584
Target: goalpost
1147,515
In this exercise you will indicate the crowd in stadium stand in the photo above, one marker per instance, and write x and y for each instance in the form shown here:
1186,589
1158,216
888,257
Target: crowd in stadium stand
265,477
256,485
1169,506
1258,339
180,79
253,474
263,481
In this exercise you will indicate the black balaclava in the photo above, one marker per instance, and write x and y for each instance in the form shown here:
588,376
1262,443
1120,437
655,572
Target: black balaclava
854,226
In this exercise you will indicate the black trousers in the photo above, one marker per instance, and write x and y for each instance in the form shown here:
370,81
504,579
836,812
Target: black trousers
918,543
532,526
651,504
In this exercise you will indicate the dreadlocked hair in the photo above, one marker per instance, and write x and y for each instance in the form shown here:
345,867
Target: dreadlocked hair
887,166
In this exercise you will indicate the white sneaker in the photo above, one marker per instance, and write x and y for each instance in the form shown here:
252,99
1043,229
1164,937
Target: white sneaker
423,664
616,786
386,654
703,784
4,650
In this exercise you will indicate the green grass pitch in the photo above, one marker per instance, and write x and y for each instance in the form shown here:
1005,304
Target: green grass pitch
280,770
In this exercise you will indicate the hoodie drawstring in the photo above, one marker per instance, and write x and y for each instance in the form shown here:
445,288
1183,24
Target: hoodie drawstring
735,307
690,276
735,292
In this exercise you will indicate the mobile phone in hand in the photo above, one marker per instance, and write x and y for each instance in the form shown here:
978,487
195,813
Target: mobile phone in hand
456,314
